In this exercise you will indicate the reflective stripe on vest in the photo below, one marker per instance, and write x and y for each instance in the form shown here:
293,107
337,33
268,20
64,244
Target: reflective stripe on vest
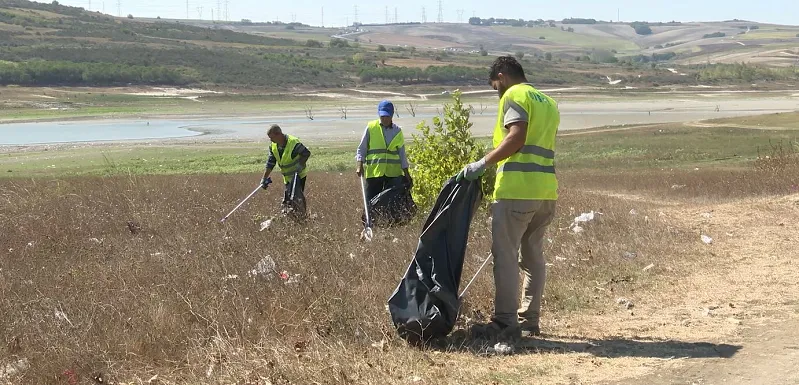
529,174
381,159
287,163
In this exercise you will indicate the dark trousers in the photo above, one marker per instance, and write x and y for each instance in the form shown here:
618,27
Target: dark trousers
377,185
288,188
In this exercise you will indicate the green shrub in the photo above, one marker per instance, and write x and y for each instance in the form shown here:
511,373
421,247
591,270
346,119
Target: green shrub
442,150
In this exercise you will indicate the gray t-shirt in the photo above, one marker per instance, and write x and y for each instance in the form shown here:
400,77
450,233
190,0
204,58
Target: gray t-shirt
514,113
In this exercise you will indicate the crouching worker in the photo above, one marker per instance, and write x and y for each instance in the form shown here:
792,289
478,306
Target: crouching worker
381,159
291,156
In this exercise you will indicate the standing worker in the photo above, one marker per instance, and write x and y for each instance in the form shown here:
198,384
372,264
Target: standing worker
525,195
382,149
291,155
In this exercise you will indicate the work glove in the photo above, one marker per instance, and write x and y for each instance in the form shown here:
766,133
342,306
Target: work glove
265,182
472,171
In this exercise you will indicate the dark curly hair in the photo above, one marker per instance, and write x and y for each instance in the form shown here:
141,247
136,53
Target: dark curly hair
508,66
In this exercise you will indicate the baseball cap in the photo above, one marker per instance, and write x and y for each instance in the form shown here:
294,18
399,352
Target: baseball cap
385,108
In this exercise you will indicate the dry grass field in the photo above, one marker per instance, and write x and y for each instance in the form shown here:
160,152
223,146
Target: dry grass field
134,279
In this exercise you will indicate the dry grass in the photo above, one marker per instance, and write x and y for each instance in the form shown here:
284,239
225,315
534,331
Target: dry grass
151,283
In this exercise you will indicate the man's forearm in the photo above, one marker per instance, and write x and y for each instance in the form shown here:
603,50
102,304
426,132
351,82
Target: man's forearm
267,171
509,146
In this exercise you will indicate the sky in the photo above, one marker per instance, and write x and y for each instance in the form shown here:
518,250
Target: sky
340,13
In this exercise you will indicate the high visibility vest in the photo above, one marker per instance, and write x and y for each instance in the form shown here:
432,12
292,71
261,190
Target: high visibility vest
287,163
529,174
382,160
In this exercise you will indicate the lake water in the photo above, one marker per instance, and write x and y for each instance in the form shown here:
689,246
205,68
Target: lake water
329,127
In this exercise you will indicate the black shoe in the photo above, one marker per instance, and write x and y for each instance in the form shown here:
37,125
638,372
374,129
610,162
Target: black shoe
496,330
530,329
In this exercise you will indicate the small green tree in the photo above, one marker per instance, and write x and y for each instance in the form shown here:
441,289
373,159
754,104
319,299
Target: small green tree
381,48
441,151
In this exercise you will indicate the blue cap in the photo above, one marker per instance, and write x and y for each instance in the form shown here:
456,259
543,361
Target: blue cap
385,108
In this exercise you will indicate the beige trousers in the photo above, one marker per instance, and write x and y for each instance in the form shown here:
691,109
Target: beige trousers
519,224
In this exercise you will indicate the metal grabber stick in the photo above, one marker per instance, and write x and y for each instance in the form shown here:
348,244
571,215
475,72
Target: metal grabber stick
268,181
367,232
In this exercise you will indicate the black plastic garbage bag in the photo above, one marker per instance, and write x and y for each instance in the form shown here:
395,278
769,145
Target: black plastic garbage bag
392,207
425,305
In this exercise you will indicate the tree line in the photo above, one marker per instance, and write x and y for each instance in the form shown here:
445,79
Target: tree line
40,73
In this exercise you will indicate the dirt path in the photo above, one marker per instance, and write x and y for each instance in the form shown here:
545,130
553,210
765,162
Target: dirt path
747,299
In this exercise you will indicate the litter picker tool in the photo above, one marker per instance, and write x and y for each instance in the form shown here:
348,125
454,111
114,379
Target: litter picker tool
268,181
367,232
475,276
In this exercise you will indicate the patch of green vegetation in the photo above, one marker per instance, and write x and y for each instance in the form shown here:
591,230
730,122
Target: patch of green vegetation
160,160
667,146
558,36
785,120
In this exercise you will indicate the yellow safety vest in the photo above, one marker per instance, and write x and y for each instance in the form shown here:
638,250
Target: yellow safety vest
530,173
287,163
382,160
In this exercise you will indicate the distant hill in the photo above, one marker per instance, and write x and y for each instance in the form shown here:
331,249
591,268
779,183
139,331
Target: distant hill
50,44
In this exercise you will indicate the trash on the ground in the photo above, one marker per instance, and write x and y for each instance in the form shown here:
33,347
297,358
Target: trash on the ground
577,229
707,240
550,240
95,240
157,254
706,215
231,276
284,275
293,279
734,321
585,217
629,255
265,224
379,345
13,369
678,186
633,212
625,302
264,268
61,316
707,312
415,379
30,244
651,265
395,240
503,349
559,258
352,256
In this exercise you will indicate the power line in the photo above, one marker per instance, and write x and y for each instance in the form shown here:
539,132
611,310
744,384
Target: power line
460,15
200,12
227,11
424,16
440,11
355,21
119,8
386,14
90,5
187,10
323,17
396,19
219,10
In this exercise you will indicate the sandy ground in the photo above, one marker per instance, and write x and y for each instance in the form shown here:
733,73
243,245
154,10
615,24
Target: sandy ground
745,301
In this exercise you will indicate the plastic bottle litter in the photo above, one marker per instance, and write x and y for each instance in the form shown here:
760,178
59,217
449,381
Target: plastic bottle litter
264,268
707,240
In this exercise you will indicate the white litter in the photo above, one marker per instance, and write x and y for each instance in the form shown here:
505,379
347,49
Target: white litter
231,276
502,348
649,267
14,368
95,240
707,240
706,215
633,212
61,316
558,258
678,186
265,224
577,229
264,268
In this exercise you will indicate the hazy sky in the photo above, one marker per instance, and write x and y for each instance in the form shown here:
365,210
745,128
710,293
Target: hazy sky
337,13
